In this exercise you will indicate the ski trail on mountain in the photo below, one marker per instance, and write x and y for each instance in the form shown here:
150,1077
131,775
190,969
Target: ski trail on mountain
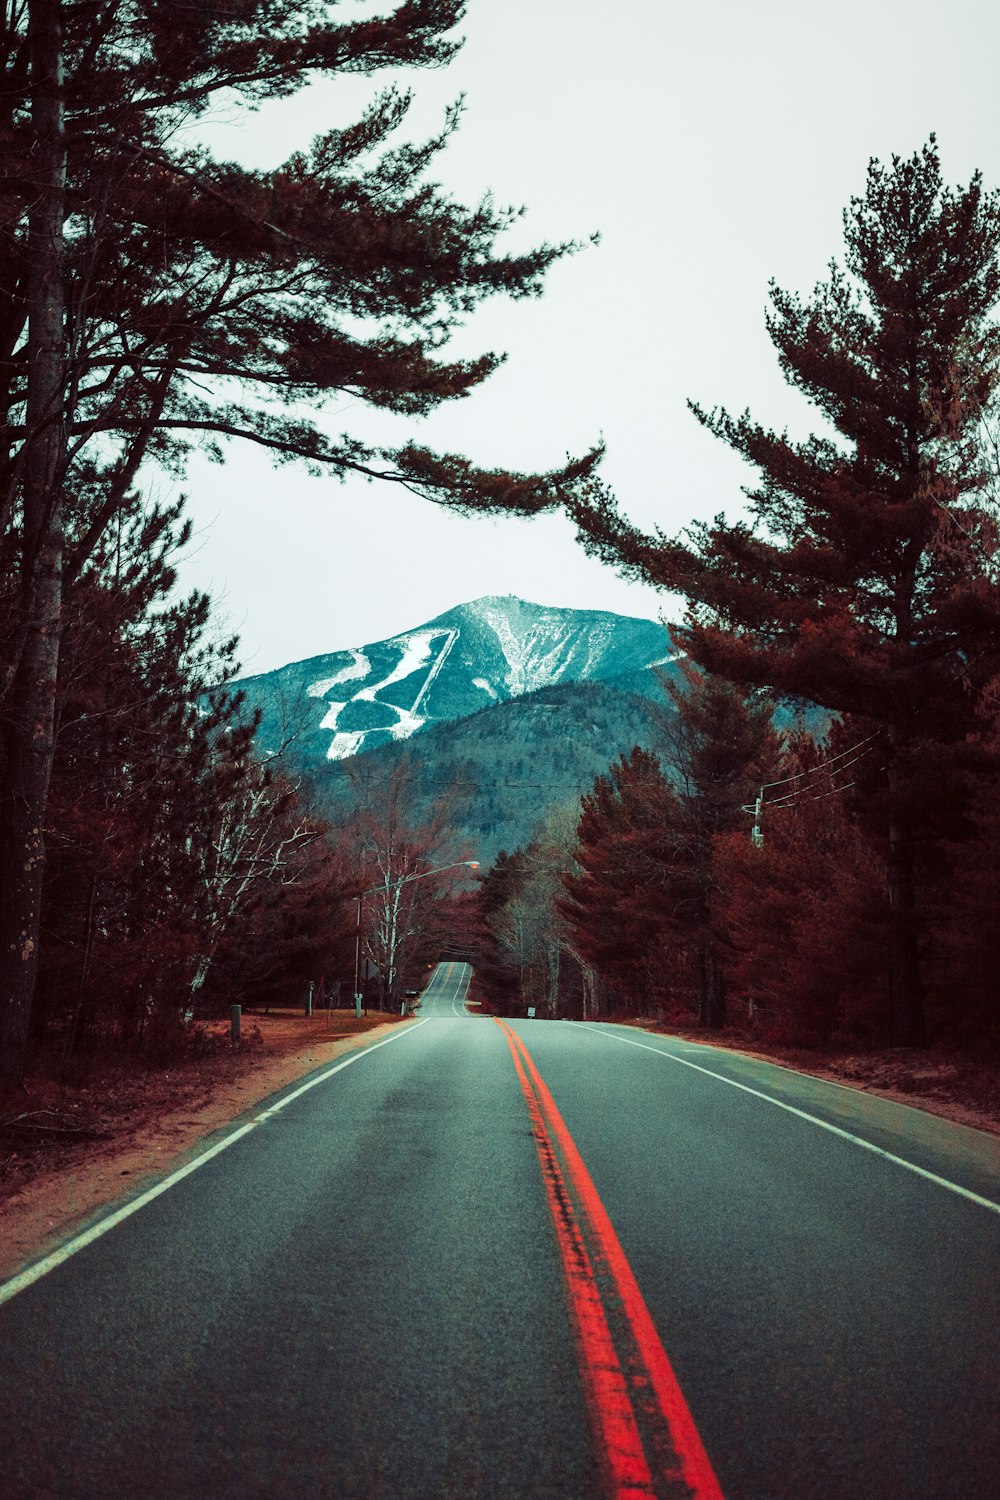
435,669
508,648
415,652
359,667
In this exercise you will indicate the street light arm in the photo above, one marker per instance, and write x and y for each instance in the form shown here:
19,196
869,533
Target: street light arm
392,885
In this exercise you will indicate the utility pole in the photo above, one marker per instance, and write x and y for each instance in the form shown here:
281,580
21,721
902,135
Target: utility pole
756,832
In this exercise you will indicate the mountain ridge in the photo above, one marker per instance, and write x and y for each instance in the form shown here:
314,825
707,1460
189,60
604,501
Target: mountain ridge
335,705
504,769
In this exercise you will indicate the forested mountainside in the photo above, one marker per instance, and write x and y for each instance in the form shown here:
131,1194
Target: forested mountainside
503,769
472,657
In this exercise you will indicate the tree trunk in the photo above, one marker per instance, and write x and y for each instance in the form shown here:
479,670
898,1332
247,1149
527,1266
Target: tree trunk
198,978
712,997
906,999
554,965
30,728
83,979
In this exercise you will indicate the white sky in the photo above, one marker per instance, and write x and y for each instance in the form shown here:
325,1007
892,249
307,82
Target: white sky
714,146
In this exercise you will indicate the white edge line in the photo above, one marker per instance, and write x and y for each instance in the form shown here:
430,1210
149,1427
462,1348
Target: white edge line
899,1161
24,1279
462,1014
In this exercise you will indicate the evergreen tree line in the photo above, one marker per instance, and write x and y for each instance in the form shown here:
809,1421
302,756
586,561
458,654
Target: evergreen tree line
863,579
738,876
153,297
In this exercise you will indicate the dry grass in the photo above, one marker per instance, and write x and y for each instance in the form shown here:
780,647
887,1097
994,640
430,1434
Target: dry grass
60,1123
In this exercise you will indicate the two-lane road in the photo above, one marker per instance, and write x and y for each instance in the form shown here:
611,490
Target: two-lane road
446,992
447,1268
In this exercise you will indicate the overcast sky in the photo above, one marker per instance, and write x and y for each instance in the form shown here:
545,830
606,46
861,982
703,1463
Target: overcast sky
714,146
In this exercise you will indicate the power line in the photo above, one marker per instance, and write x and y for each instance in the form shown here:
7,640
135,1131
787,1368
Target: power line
807,793
790,798
536,786
819,767
819,796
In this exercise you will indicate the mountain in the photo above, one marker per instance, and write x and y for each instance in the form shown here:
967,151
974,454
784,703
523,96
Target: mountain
504,769
506,709
478,655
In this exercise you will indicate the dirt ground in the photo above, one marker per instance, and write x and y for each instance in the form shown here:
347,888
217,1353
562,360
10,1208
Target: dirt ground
66,1150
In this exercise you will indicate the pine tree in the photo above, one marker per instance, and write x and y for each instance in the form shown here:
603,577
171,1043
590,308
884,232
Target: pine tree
719,746
865,578
802,915
147,768
633,887
152,297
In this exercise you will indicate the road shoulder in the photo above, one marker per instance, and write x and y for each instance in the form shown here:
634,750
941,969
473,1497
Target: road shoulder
63,1199
962,1090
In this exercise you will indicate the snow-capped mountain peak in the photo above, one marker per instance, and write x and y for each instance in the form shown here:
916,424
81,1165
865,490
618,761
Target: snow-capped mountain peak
471,657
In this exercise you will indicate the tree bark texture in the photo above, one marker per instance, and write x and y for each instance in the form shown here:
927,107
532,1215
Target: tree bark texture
712,1002
907,1025
906,1020
30,727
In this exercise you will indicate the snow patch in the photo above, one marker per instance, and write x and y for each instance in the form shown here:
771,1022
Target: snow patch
435,669
512,648
544,667
408,723
360,666
542,656
333,711
415,652
345,744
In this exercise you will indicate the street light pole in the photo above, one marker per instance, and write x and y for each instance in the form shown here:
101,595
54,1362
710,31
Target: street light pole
357,962
472,864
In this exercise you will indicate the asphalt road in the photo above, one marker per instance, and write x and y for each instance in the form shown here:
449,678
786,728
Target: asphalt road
362,1297
445,994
